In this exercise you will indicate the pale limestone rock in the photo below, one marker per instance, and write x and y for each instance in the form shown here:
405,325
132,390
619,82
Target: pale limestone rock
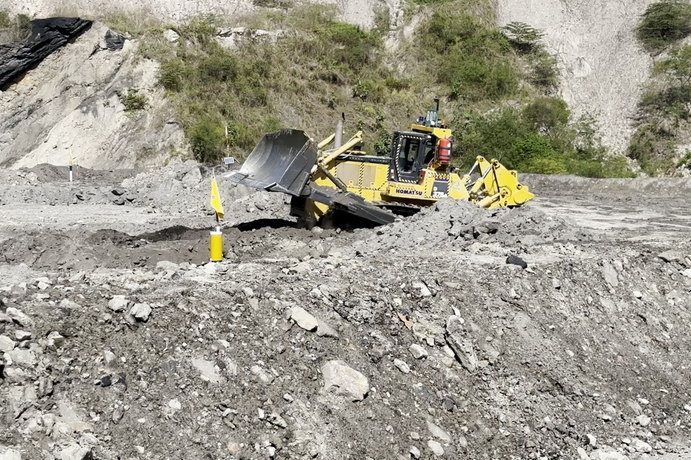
303,319
344,380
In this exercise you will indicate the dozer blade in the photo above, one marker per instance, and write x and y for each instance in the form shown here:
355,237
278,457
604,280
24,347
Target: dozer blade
352,204
281,162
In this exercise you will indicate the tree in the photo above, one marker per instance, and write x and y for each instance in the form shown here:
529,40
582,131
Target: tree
664,23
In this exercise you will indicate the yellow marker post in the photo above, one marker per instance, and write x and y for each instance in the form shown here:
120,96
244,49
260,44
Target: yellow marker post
216,238
70,163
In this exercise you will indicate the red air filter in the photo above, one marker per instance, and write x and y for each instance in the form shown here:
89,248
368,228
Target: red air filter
444,152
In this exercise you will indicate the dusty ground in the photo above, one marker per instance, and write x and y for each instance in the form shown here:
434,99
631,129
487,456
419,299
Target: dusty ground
120,341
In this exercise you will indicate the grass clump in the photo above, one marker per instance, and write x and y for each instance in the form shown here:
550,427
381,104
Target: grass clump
15,28
132,100
664,23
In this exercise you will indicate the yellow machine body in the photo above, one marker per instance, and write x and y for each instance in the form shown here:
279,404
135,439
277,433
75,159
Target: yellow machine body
416,173
371,177
371,181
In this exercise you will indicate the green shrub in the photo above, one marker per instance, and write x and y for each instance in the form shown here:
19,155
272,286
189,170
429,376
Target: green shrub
207,139
200,29
546,113
5,20
543,70
600,167
522,36
348,44
132,100
442,32
538,138
534,153
654,150
172,74
672,103
493,135
664,23
476,78
368,89
218,67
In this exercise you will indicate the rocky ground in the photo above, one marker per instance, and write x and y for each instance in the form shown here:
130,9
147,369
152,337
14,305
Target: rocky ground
555,330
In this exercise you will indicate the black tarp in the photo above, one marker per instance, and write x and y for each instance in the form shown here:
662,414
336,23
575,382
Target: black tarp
47,35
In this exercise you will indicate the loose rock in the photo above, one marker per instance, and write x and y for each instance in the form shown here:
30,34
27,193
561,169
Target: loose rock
643,420
641,446
461,345
418,351
76,452
414,452
344,380
437,432
436,448
402,366
22,335
118,303
141,311
303,319
515,260
18,317
10,454
6,344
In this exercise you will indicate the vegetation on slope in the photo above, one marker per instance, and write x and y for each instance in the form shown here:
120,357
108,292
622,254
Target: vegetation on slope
664,23
13,28
665,108
503,81
498,85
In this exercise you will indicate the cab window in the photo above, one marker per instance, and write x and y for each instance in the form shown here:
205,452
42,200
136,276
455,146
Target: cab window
407,154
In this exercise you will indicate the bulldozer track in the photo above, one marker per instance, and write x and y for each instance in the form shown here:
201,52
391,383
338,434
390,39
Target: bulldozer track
401,209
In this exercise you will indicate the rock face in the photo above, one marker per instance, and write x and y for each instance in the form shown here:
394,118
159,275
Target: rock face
361,12
603,73
47,35
69,101
603,68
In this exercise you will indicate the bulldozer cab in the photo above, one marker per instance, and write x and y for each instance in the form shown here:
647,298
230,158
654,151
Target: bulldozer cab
410,153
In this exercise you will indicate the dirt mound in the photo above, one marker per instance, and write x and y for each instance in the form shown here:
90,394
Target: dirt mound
451,225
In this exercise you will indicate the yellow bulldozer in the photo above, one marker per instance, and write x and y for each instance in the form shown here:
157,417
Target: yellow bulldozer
344,181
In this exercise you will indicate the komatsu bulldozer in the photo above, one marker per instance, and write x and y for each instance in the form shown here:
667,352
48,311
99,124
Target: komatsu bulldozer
345,181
